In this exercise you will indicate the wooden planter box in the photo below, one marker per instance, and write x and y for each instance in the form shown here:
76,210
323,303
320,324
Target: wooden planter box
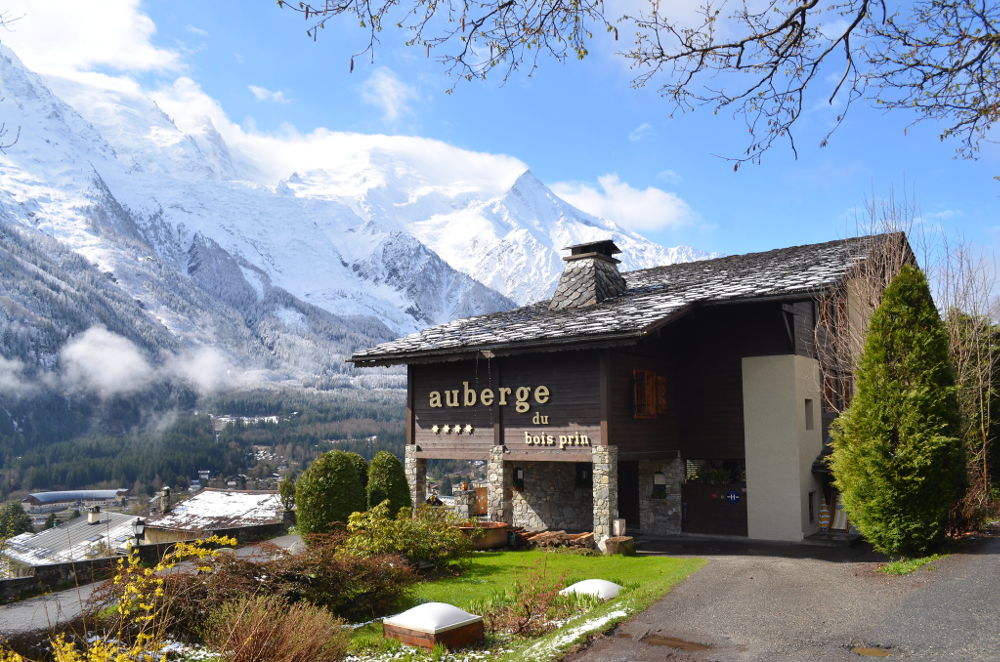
434,623
487,535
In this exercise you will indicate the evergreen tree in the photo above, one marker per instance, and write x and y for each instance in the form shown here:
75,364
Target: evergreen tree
286,492
14,521
898,460
387,480
327,492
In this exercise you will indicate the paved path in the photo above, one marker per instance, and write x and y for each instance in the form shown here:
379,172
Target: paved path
45,611
791,604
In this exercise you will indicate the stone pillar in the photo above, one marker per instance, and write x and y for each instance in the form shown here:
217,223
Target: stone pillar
500,483
465,504
605,472
416,475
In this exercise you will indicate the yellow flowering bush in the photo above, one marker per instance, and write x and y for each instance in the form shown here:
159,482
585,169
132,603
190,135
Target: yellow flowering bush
141,611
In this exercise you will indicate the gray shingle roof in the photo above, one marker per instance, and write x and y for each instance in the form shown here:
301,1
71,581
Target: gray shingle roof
654,296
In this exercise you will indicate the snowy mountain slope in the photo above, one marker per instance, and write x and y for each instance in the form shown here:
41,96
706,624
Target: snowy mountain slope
193,245
206,259
510,239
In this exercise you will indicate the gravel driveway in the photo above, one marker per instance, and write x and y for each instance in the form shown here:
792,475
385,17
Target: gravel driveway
796,603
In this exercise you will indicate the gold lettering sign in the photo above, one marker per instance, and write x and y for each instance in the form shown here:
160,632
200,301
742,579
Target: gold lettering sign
561,440
521,397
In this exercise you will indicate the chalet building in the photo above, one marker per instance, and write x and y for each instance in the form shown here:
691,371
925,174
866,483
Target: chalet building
683,398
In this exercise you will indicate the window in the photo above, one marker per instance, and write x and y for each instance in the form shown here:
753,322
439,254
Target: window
644,398
810,423
584,475
518,479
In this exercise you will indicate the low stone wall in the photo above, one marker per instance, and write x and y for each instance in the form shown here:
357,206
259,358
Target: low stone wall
550,498
660,515
66,575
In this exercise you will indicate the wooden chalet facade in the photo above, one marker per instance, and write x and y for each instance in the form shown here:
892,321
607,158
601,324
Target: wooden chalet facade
680,398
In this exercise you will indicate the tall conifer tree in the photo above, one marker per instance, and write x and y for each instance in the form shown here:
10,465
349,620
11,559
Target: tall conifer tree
898,460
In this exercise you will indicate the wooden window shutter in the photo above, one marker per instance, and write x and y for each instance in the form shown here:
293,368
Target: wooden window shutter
643,393
661,394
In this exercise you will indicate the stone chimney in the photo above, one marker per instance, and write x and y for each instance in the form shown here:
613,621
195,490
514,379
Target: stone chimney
591,276
165,500
94,515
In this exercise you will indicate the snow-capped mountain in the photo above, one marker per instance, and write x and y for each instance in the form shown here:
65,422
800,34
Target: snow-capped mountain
172,237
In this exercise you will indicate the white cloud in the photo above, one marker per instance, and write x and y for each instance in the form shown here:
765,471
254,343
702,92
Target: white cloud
640,132
637,209
12,380
103,362
386,91
264,94
66,36
194,29
206,369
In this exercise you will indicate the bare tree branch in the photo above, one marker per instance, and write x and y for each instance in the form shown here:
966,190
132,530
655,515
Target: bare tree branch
763,60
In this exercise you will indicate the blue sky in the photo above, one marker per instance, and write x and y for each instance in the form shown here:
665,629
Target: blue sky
580,126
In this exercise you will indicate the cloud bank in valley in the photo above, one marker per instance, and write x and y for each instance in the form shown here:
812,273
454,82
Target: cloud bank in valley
109,365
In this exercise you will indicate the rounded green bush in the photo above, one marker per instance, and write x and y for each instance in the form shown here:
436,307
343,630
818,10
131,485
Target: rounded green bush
327,492
387,480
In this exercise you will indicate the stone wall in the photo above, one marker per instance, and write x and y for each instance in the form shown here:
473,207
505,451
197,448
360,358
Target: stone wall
660,515
550,498
499,478
416,475
465,504
605,460
66,575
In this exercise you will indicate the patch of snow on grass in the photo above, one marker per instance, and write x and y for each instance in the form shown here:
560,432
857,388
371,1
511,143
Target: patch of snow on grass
545,648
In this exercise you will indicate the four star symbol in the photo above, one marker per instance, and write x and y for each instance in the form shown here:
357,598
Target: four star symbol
449,429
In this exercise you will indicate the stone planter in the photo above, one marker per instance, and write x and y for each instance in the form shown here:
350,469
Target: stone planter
487,535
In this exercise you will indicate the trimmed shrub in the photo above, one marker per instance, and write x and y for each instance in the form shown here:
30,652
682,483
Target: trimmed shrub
361,466
429,538
897,459
265,628
327,492
387,480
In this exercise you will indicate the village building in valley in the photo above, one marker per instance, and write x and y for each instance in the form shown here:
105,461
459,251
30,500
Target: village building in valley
683,398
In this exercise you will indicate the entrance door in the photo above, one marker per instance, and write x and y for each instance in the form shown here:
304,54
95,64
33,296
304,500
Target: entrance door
628,494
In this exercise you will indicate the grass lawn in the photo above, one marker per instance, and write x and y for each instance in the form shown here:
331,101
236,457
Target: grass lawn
646,578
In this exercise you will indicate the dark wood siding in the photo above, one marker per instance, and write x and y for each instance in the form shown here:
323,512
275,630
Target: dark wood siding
449,376
703,353
571,413
641,438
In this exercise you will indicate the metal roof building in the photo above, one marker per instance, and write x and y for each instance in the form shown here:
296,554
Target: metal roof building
96,535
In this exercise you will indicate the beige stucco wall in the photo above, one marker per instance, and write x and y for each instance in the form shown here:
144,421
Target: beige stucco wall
779,449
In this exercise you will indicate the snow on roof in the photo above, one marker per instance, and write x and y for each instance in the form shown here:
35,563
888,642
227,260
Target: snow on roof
76,540
73,496
215,509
